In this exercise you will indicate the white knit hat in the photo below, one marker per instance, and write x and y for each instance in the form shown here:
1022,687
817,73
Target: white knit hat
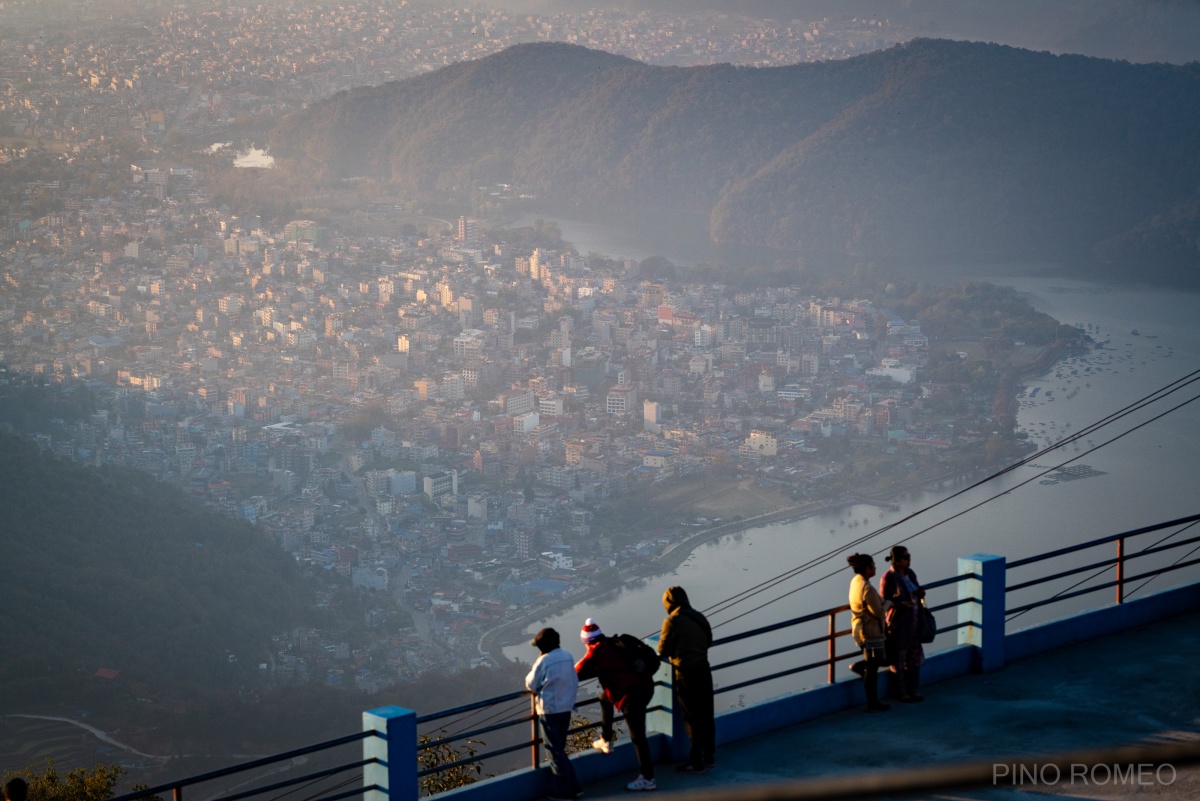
590,632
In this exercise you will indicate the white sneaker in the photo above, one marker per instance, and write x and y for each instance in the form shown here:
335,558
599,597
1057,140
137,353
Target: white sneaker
602,745
641,783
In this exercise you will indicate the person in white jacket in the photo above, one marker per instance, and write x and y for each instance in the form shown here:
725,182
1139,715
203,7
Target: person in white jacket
554,685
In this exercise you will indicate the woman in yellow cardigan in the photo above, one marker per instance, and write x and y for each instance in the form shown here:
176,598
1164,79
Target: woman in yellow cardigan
867,627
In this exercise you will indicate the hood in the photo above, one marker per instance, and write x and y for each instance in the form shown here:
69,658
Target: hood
674,598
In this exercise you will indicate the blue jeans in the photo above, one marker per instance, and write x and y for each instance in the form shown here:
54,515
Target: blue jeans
554,735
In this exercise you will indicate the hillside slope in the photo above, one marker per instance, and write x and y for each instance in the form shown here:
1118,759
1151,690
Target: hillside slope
112,569
934,149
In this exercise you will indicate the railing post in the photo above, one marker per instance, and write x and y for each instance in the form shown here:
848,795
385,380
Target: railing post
985,617
394,748
831,673
536,741
1121,570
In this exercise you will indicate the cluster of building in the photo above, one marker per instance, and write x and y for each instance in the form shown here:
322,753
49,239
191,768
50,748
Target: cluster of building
439,419
190,70
436,418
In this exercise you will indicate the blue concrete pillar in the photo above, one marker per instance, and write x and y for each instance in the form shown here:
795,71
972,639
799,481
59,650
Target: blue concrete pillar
985,615
395,749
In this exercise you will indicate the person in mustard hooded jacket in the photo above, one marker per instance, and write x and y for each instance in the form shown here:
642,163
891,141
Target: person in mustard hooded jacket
685,640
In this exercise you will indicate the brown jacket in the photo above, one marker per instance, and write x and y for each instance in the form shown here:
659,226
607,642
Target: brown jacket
686,635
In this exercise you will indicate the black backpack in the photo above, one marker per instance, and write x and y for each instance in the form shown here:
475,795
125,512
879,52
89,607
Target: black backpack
641,658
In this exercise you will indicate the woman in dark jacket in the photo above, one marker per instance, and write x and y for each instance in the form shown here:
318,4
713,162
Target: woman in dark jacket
902,595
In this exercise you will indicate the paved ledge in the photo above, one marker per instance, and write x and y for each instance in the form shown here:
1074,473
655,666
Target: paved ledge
1136,687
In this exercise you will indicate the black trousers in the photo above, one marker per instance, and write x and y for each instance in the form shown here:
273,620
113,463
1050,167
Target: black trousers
635,720
694,692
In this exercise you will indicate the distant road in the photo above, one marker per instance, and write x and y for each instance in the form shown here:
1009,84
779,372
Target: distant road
98,734
93,731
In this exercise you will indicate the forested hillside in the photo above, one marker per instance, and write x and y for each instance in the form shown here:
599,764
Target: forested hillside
111,569
932,150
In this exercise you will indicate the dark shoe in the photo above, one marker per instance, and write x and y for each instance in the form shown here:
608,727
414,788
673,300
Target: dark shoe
709,761
688,767
878,707
908,699
917,698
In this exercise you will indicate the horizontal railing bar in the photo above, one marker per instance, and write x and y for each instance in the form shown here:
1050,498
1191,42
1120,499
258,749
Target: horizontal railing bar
781,650
1106,585
777,626
961,625
508,749
270,788
1106,564
458,710
1103,540
251,765
1111,562
773,676
954,603
1160,548
482,755
476,758
586,727
466,735
946,582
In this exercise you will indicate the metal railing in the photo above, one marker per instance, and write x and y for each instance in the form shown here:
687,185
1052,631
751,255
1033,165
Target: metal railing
830,640
1115,563
506,713
533,743
176,788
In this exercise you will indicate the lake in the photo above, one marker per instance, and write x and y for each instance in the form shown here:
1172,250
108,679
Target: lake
1143,476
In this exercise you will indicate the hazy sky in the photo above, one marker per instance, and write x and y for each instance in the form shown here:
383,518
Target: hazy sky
1134,30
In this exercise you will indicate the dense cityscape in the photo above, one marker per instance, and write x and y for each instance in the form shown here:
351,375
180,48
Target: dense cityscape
443,416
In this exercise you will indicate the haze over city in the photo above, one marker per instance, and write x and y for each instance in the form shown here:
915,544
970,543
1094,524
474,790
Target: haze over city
345,343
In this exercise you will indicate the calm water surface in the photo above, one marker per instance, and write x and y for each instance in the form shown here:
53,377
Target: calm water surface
1144,476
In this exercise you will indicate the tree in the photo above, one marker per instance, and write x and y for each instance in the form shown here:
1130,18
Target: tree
441,753
80,784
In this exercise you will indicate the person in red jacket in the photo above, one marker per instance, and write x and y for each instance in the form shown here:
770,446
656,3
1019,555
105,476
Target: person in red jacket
621,688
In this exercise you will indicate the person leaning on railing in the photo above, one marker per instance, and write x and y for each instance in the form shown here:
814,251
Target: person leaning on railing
554,685
867,627
624,689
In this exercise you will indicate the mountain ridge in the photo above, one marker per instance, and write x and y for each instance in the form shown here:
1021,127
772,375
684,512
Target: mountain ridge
932,149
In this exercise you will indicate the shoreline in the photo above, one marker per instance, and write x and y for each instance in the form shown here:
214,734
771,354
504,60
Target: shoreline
511,632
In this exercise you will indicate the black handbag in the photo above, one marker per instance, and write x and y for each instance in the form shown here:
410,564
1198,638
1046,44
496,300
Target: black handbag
926,625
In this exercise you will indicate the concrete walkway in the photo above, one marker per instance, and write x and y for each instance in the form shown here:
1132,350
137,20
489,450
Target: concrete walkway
1137,687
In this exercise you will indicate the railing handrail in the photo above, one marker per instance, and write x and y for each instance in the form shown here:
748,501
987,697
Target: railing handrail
795,621
1102,541
243,766
1106,585
471,707
832,635
1110,562
836,633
